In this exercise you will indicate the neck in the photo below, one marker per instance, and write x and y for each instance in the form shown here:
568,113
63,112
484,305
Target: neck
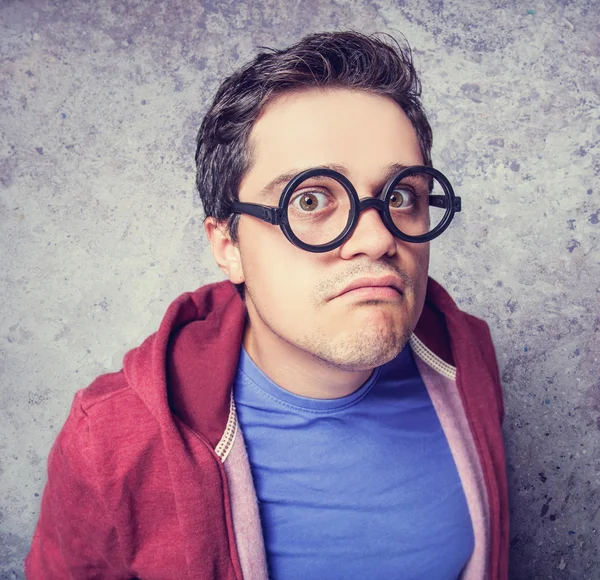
295,369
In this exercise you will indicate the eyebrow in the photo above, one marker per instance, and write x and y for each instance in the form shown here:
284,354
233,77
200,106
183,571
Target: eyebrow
284,178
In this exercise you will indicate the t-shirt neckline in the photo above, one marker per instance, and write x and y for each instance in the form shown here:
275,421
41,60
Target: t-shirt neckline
252,372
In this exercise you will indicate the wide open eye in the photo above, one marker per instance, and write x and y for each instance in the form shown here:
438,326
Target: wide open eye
310,201
402,198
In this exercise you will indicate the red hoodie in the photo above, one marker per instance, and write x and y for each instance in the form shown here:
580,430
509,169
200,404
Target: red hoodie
149,476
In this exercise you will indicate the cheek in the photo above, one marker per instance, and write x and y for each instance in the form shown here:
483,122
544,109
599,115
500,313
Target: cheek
420,259
275,271
422,262
413,260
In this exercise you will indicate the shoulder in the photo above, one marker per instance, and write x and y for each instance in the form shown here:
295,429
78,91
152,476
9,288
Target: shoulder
447,319
472,348
103,391
481,339
109,402
108,425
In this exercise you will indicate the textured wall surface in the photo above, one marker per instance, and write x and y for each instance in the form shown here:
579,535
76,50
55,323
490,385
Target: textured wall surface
100,227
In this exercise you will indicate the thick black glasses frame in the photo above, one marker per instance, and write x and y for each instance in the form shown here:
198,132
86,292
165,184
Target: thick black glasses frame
278,215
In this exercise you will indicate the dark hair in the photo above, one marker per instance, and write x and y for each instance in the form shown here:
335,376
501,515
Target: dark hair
377,64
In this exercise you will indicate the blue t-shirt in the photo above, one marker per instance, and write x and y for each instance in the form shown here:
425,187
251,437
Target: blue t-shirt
359,487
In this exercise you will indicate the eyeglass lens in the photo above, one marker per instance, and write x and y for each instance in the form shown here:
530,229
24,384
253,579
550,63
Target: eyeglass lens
319,209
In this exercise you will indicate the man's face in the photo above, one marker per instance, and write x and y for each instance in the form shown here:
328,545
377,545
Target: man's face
293,296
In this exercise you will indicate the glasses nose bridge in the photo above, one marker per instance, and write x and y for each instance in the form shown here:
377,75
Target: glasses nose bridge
371,202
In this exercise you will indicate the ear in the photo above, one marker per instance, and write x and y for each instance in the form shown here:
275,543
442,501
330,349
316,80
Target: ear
225,251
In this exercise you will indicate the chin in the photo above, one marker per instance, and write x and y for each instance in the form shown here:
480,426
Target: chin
366,349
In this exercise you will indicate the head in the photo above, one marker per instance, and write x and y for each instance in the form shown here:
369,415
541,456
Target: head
334,99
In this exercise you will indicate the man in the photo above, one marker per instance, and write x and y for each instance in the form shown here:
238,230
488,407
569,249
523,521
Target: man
327,412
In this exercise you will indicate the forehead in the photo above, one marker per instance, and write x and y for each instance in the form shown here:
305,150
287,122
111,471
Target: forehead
361,131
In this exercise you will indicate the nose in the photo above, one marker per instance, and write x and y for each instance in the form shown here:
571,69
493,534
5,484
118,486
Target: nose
370,237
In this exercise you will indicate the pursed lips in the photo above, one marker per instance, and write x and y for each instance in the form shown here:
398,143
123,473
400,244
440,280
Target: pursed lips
372,284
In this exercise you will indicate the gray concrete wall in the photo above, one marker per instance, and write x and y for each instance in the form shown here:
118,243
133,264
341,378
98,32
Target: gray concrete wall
100,227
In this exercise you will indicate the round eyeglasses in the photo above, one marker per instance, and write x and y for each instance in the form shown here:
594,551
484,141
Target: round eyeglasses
319,208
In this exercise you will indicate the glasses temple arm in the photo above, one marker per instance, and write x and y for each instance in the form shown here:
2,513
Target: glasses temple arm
440,201
268,214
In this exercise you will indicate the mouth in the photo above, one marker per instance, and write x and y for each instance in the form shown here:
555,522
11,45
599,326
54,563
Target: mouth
373,293
386,287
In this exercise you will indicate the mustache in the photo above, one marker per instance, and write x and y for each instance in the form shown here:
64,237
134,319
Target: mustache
327,288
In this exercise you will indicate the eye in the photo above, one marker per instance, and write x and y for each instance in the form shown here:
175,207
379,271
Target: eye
402,198
310,201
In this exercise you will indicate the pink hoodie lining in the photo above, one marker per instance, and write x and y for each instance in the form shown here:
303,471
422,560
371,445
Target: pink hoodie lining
244,511
446,401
